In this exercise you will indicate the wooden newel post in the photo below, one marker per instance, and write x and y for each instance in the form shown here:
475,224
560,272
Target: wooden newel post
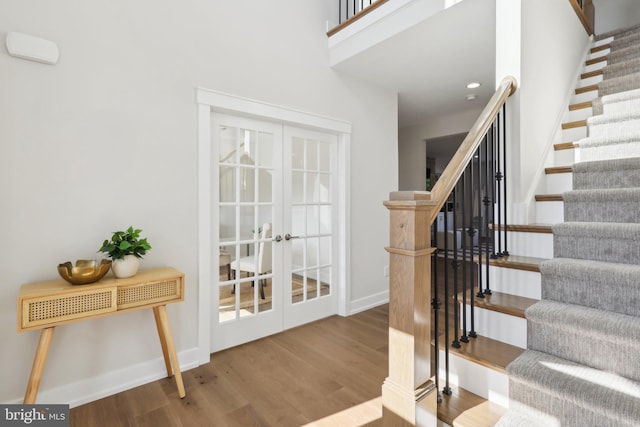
409,396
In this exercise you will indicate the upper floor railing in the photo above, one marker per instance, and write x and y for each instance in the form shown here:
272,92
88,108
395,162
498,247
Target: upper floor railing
350,11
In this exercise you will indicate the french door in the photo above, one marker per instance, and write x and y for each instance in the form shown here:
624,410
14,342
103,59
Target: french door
274,218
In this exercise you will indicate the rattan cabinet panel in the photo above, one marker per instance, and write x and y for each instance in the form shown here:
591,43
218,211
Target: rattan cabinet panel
42,311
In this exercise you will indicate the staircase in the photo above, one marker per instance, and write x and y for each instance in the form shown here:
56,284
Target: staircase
560,342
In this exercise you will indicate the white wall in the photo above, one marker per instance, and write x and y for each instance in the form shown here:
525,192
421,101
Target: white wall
107,138
412,152
614,14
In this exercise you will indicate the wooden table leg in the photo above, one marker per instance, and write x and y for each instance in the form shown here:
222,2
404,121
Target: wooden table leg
163,342
38,365
169,348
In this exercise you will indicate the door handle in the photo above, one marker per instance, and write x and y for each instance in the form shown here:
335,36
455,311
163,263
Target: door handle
278,238
290,237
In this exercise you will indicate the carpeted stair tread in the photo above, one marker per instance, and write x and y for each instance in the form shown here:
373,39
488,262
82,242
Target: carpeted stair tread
619,32
624,42
610,173
616,102
604,241
607,119
602,205
621,69
603,285
597,338
601,141
571,393
623,54
614,125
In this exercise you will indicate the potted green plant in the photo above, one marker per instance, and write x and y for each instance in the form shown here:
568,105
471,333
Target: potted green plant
125,248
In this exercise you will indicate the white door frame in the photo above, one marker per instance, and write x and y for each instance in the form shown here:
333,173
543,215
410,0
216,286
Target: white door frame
216,102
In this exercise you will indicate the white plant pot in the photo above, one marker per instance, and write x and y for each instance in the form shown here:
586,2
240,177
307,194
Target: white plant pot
125,267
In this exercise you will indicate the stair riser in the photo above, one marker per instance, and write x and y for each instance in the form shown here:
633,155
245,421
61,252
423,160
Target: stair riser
575,115
516,282
594,67
564,157
558,183
622,106
485,382
574,134
605,211
577,345
539,245
549,212
499,326
597,248
608,152
590,81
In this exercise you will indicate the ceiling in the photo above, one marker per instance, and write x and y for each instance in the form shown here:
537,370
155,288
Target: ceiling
430,64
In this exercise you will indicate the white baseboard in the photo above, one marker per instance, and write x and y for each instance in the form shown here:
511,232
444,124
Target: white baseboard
366,303
98,387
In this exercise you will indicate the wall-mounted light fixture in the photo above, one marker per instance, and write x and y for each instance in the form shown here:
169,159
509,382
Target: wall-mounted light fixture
473,85
32,48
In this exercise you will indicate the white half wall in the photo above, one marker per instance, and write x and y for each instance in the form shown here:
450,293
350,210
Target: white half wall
107,138
553,42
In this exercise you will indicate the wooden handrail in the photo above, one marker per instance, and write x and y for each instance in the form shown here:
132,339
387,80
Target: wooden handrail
586,14
470,144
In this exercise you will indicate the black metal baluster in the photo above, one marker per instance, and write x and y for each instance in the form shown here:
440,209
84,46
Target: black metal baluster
446,390
455,265
504,175
498,177
465,240
492,182
471,232
435,304
354,8
487,202
480,293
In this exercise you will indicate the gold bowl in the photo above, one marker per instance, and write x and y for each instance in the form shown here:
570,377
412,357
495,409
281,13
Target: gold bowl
86,271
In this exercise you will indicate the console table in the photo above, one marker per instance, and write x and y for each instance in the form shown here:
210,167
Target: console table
45,305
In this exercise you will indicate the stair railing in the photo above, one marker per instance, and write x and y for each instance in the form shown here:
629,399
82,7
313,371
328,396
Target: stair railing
350,11
466,193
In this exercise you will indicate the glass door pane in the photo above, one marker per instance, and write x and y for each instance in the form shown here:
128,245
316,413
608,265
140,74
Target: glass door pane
310,162
249,185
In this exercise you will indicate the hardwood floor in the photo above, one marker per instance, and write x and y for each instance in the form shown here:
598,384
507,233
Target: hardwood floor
326,373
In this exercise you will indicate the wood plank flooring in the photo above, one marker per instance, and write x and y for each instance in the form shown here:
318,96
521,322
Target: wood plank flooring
326,373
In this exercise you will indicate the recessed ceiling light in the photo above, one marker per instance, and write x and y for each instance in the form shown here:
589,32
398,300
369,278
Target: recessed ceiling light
471,97
473,85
